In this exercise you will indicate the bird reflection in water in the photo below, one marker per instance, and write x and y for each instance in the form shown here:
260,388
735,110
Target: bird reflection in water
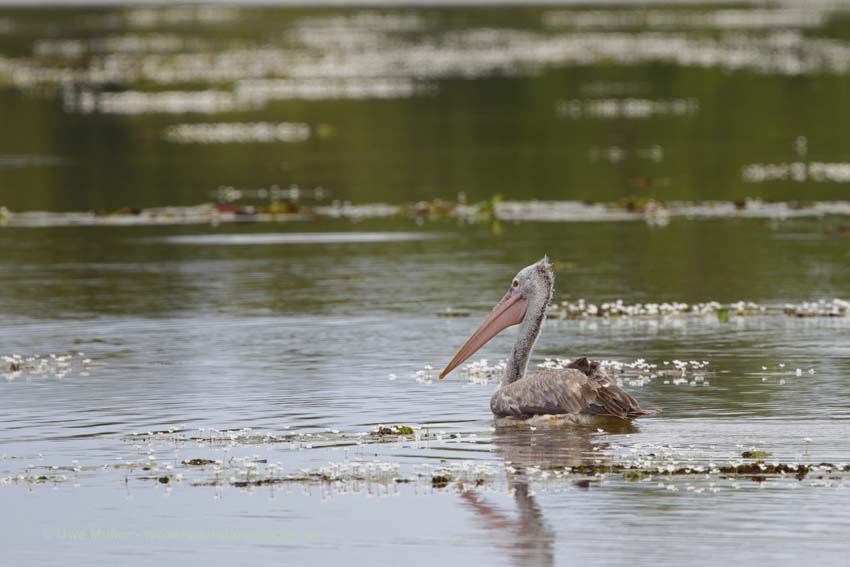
526,536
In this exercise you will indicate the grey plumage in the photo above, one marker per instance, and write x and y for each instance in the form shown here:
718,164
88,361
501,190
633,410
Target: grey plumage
581,388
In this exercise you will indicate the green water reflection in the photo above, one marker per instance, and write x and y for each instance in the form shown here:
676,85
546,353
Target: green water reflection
501,130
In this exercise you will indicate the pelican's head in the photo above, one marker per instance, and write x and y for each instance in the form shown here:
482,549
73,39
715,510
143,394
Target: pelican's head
529,292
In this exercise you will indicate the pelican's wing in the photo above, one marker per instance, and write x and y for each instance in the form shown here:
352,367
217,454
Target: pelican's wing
611,398
564,391
546,392
614,401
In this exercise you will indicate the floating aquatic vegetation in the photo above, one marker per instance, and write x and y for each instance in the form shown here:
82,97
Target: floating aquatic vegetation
424,376
207,213
781,373
296,238
296,441
200,462
662,466
755,454
127,43
438,209
637,373
626,108
237,133
275,193
177,457
397,55
345,210
648,210
396,430
616,154
249,95
821,308
59,365
801,172
365,20
632,209
575,211
155,17
33,479
582,308
481,372
440,481
760,470
140,102
723,19
259,92
615,309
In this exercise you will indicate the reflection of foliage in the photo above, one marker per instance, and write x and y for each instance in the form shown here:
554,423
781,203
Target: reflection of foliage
436,140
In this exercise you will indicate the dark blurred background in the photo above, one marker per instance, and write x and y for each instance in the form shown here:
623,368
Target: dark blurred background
109,107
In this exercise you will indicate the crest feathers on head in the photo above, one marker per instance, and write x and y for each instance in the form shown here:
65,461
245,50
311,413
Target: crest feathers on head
545,266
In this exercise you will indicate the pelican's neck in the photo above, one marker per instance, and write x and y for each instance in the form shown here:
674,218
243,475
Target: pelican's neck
529,330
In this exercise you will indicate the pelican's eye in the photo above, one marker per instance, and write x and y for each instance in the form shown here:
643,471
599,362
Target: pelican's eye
516,283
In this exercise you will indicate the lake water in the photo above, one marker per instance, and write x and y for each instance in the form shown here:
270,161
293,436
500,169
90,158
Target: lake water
268,391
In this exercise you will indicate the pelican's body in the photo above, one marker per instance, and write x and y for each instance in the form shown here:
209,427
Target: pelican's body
581,388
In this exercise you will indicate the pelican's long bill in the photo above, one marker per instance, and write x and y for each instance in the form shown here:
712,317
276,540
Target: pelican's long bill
509,311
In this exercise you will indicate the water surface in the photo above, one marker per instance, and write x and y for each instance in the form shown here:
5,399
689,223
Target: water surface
275,353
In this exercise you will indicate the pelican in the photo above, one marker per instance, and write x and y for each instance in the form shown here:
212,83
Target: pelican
581,389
